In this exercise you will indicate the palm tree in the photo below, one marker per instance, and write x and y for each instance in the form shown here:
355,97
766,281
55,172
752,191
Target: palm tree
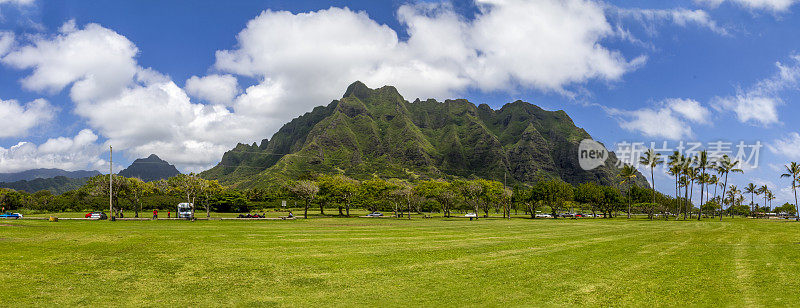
684,182
628,175
770,197
751,189
676,169
764,190
793,171
726,166
702,164
733,192
694,176
652,159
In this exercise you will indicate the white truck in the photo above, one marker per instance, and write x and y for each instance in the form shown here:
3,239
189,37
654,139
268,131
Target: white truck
184,210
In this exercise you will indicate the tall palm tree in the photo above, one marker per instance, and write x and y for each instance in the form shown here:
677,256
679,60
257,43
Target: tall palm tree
676,169
733,193
751,189
628,175
725,166
793,171
762,190
702,164
694,175
770,197
684,182
652,159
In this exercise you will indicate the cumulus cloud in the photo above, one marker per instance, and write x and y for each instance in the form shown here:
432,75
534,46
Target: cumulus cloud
217,89
788,146
17,119
307,59
759,104
775,6
98,62
140,111
68,153
672,120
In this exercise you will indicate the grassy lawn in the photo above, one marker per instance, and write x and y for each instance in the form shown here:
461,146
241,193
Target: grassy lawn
391,262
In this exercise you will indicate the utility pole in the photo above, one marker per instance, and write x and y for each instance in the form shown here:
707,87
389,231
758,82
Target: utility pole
110,181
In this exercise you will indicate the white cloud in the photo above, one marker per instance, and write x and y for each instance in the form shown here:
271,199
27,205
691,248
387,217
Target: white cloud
6,42
759,104
17,2
139,110
217,89
767,5
97,60
789,146
16,119
79,152
689,109
679,16
672,120
309,58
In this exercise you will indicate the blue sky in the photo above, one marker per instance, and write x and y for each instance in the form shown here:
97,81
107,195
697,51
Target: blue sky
166,77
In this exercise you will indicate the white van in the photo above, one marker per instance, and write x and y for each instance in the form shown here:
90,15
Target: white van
184,210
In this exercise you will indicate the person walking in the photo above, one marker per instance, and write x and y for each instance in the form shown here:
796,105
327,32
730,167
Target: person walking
155,214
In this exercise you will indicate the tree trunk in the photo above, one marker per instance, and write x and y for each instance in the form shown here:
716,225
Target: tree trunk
305,213
797,213
724,189
322,208
702,193
340,211
347,208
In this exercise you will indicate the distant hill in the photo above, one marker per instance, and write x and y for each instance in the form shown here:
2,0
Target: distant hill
57,185
150,169
45,174
376,131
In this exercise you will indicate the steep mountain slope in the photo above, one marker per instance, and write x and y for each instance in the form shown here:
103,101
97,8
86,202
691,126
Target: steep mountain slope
376,131
150,169
45,174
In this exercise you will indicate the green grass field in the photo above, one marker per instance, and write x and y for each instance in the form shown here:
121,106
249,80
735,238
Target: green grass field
393,262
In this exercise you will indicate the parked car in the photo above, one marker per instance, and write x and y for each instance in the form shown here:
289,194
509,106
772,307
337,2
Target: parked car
96,215
9,215
375,214
471,215
579,215
544,216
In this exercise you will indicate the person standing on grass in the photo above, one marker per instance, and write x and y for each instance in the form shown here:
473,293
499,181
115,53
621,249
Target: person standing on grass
155,214
169,213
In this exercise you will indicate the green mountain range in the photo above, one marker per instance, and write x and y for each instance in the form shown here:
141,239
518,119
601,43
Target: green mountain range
376,131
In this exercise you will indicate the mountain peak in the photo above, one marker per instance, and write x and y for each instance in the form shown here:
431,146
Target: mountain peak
358,89
150,169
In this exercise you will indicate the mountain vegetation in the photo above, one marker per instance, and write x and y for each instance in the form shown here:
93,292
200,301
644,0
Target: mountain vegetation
376,132
150,169
45,174
56,185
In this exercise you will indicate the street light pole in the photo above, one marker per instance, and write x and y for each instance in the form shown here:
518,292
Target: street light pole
110,181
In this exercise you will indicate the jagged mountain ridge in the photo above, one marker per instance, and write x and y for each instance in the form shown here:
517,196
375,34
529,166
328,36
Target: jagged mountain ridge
150,169
376,131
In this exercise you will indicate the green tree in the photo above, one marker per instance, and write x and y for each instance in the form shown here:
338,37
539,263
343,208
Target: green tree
304,190
724,167
793,172
651,159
